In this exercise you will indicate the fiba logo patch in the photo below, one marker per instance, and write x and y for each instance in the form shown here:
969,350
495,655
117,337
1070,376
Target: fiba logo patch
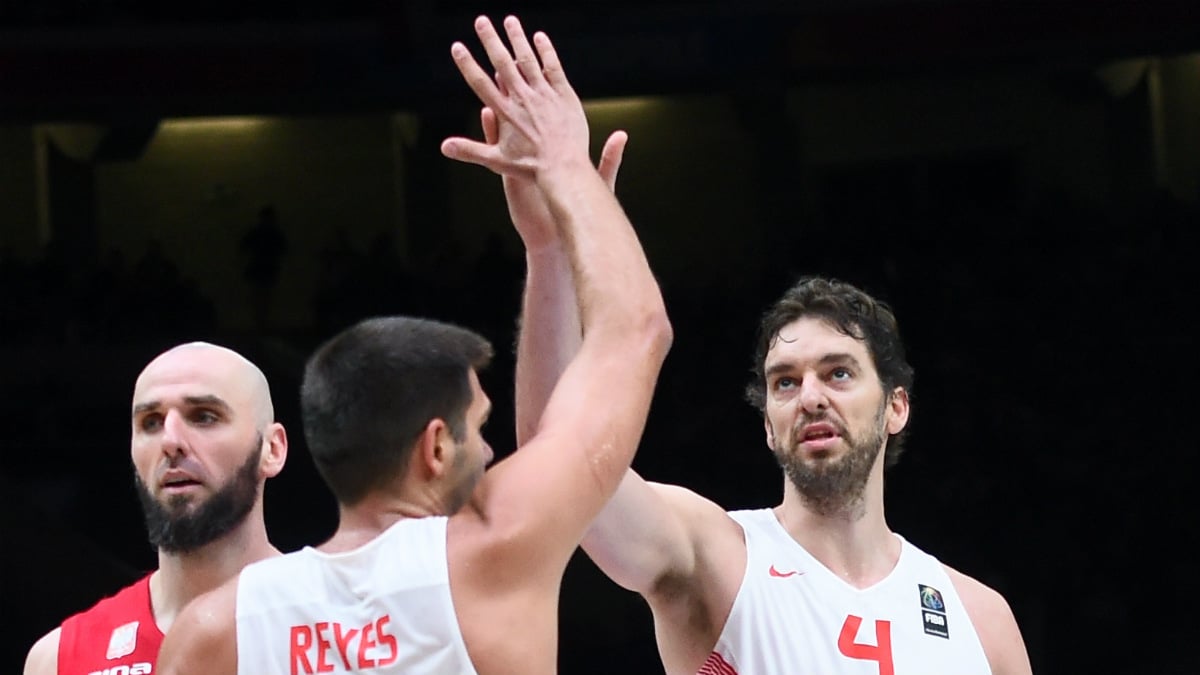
933,612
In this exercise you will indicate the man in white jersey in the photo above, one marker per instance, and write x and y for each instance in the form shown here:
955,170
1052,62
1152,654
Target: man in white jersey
818,584
437,566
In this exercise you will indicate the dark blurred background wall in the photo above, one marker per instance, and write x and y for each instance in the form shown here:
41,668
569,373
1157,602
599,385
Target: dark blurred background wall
1021,181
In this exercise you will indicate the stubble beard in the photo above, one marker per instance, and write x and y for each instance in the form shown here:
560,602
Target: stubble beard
830,487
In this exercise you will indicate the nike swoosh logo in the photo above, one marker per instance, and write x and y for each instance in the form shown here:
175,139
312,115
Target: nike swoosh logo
782,575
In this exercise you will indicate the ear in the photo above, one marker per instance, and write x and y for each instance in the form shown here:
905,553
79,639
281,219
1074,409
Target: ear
897,415
274,450
770,431
435,448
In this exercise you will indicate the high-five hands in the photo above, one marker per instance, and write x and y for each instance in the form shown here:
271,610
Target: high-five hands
526,205
540,121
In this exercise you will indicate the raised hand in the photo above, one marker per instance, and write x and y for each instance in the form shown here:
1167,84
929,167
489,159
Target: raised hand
526,205
540,121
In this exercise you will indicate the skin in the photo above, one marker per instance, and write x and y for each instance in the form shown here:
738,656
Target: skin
196,409
687,557
682,552
509,544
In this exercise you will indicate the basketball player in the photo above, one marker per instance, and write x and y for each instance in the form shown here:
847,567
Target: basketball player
204,439
819,583
435,560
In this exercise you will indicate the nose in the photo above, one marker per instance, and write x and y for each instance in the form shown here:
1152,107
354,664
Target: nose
174,438
812,395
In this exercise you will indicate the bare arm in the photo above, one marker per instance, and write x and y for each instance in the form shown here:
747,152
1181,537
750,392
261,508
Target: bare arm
639,539
203,638
43,655
646,535
679,550
550,333
548,491
994,622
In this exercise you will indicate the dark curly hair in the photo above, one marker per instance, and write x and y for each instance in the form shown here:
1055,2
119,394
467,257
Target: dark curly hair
852,312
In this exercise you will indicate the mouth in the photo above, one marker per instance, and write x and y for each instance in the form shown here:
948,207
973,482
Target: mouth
178,484
819,437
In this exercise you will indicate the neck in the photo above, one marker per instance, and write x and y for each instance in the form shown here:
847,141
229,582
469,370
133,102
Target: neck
372,515
183,576
854,541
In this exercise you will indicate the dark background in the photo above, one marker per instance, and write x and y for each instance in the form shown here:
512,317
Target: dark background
1050,453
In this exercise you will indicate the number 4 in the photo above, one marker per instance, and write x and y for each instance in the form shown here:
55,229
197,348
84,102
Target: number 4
880,652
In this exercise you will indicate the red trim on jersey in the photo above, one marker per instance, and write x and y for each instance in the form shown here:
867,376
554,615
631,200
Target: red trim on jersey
716,665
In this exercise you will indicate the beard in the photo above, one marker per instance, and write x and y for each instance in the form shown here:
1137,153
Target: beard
174,528
830,487
467,478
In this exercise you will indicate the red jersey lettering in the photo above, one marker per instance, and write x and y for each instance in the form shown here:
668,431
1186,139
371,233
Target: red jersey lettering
323,645
302,639
880,652
343,641
386,639
363,645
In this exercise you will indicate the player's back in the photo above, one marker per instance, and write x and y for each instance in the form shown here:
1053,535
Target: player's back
384,607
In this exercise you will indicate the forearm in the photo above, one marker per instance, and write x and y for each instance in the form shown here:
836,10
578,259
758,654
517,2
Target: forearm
616,292
549,334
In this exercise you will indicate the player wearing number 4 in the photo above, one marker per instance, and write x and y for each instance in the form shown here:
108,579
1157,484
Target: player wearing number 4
818,584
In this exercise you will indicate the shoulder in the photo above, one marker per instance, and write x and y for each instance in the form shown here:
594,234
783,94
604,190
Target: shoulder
203,638
43,656
704,517
78,634
994,623
129,598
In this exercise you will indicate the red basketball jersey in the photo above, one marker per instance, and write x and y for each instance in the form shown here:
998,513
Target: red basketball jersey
117,636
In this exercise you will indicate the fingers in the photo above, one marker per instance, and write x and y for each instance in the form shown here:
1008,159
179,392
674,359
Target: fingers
611,156
491,128
500,84
472,152
551,66
526,61
475,77
497,52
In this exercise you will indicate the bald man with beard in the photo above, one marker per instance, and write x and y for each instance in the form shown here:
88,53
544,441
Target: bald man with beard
203,441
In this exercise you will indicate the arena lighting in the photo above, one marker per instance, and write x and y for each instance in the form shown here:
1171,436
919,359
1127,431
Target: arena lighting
213,124
619,106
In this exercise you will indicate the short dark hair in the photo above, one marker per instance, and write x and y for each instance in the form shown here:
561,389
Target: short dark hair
369,391
852,312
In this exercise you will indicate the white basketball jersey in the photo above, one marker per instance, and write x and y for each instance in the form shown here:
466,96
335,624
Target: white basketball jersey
382,608
793,616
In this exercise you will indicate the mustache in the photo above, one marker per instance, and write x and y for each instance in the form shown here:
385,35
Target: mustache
183,463
822,418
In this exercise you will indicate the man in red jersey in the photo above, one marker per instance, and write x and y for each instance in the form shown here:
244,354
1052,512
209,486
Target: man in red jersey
204,439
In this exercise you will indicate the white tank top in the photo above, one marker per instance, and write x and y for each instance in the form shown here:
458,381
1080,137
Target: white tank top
382,608
792,615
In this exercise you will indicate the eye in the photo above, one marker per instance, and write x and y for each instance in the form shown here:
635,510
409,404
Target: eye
840,374
150,423
204,417
785,383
